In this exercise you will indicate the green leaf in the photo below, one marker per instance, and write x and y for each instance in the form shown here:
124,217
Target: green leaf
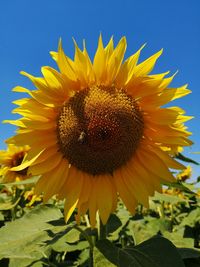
144,229
9,205
117,222
114,254
32,180
83,258
192,218
139,231
161,251
113,224
178,239
61,245
123,214
100,260
23,239
1,217
72,236
198,179
186,159
168,198
4,197
192,262
67,239
156,225
182,186
154,252
24,263
188,253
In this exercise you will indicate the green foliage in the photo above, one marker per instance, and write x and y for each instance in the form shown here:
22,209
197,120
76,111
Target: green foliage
156,251
166,234
23,240
186,159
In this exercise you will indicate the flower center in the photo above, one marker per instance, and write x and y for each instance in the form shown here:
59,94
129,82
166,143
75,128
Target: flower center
99,129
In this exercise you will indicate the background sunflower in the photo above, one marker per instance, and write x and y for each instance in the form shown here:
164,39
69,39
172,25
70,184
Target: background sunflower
9,160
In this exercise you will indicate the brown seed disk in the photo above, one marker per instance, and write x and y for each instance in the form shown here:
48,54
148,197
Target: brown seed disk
99,129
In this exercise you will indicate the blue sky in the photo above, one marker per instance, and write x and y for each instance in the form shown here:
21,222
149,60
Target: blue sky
30,29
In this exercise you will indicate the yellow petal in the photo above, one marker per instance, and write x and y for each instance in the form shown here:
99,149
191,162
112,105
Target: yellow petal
31,107
104,197
167,95
124,192
90,76
56,82
127,69
40,96
93,204
167,81
47,165
154,163
34,138
71,191
25,164
109,50
137,184
65,64
35,124
146,66
167,135
46,153
81,65
99,61
15,122
115,61
170,162
86,190
149,179
163,116
51,182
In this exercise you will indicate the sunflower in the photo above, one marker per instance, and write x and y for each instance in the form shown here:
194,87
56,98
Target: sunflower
31,198
9,160
97,129
185,174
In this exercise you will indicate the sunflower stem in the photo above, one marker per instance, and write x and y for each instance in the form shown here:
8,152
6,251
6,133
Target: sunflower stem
87,237
91,244
16,198
102,230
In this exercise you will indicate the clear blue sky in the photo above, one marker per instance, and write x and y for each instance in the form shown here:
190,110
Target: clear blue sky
30,29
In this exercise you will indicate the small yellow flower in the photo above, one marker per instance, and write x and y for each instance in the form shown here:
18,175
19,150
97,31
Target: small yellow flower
185,174
9,160
31,197
97,129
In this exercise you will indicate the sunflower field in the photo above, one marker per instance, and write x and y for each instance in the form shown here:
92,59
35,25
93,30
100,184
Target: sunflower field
166,234
95,174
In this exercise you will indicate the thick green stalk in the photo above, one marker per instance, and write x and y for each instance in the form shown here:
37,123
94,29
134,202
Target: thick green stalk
102,231
91,244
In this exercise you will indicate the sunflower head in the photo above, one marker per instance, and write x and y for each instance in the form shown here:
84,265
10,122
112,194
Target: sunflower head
10,159
97,129
31,198
185,174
